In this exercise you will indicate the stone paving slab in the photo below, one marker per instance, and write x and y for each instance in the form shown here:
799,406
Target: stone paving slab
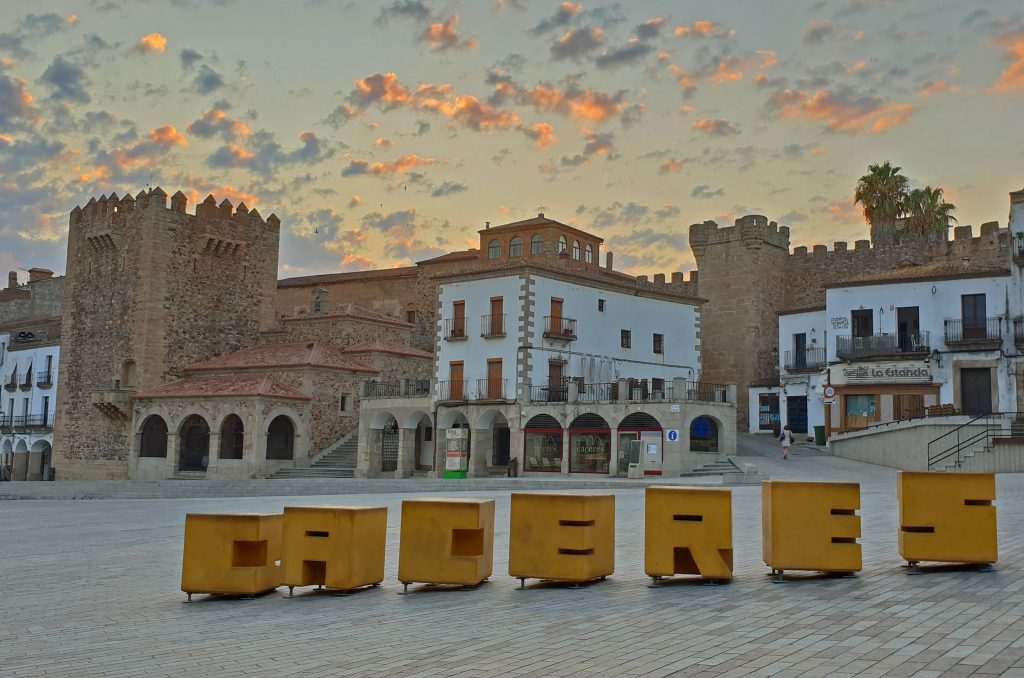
92,589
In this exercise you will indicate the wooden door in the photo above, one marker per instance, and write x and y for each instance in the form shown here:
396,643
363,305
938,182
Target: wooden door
497,324
456,385
459,319
556,316
976,390
973,313
495,390
556,386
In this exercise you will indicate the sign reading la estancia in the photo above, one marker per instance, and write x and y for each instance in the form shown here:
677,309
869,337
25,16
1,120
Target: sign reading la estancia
882,373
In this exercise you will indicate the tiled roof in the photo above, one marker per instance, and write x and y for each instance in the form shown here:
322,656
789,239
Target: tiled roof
224,387
924,273
539,220
353,311
307,280
805,309
378,346
452,256
304,354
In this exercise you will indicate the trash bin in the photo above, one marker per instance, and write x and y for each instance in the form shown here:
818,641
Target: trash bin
819,435
513,468
634,472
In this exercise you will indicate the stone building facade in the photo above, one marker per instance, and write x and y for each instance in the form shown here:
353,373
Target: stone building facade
150,289
749,276
41,296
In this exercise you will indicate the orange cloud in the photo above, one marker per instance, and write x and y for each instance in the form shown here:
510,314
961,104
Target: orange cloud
445,35
201,189
683,79
168,136
99,175
216,120
585,105
842,111
845,212
702,29
154,42
937,87
670,166
726,72
1011,79
402,165
381,142
356,201
716,128
542,134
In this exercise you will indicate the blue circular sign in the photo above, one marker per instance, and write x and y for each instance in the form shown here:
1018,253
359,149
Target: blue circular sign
673,436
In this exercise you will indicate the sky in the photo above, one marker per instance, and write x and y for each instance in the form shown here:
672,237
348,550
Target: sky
384,133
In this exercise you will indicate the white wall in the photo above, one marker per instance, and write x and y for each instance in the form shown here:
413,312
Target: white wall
811,323
19,361
599,335
934,307
596,354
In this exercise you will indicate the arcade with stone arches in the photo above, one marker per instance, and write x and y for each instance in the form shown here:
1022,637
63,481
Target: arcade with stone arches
224,439
26,457
397,437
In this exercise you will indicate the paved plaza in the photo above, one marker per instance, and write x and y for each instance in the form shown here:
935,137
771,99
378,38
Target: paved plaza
91,588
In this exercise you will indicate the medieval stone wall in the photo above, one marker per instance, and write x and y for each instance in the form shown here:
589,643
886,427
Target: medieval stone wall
36,299
339,331
148,290
748,275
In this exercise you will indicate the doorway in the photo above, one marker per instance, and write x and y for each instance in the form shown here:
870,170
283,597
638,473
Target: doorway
767,411
195,444
976,390
796,413
908,328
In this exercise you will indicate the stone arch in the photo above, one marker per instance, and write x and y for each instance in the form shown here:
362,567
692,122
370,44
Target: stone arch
415,418
453,419
21,447
281,438
193,443
544,420
381,419
639,421
488,418
232,437
153,437
590,444
705,432
542,444
44,461
495,424
420,425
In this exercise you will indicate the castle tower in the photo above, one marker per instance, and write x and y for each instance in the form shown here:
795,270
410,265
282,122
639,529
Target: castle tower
742,275
150,289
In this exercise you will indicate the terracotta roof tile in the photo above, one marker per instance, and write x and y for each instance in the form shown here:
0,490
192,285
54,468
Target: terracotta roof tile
452,256
354,311
306,280
224,387
924,273
538,220
378,346
304,354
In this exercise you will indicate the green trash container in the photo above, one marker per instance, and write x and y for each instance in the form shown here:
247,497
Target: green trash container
819,435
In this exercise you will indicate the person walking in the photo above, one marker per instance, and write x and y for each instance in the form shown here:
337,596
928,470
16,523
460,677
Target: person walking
786,439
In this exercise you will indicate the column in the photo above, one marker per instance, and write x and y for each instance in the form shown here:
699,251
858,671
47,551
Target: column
34,462
369,455
481,446
171,466
406,452
213,455
613,458
20,466
565,451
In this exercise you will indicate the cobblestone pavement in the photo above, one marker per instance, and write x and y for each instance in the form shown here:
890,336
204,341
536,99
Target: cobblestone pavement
91,588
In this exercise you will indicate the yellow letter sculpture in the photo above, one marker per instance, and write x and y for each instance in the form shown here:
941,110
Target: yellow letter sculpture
565,537
446,541
334,546
810,526
689,531
947,517
231,554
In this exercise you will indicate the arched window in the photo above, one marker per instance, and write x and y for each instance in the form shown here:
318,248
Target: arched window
232,436
563,244
193,444
281,439
494,250
515,247
704,435
536,244
154,437
588,255
576,250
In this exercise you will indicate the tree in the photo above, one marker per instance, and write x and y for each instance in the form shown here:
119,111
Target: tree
882,192
927,212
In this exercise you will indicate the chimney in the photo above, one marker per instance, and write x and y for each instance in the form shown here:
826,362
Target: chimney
35,274
12,280
608,260
487,224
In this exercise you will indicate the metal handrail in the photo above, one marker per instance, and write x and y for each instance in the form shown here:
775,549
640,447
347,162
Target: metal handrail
492,325
954,330
808,359
559,327
994,423
491,389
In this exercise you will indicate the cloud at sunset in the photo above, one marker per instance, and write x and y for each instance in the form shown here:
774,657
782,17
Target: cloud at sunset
716,127
1012,78
842,110
402,165
444,35
154,42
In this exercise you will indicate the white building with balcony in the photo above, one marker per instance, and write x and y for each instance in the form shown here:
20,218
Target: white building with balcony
29,356
899,345
557,365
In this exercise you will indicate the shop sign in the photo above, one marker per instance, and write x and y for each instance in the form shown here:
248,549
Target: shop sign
673,435
882,373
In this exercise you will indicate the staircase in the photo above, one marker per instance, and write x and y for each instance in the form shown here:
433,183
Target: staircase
992,443
337,461
713,468
189,475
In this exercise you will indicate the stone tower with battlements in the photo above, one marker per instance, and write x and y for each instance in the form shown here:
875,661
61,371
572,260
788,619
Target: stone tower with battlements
748,275
150,289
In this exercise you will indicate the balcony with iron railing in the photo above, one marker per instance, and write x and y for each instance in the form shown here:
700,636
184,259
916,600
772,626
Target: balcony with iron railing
808,359
12,383
630,390
455,329
44,379
25,381
557,327
973,333
492,326
491,389
404,388
882,345
25,422
451,391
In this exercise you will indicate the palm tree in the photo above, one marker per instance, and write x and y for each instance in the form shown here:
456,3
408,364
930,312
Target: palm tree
882,192
927,212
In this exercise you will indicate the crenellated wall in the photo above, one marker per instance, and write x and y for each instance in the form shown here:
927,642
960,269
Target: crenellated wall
150,289
748,275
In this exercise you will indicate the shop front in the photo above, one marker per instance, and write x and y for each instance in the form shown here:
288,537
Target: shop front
543,444
875,393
